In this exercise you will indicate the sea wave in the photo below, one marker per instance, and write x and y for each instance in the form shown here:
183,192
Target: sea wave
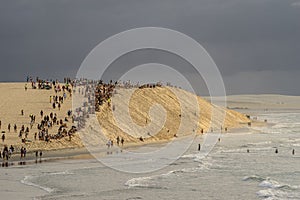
27,181
273,189
153,181
270,194
253,178
269,183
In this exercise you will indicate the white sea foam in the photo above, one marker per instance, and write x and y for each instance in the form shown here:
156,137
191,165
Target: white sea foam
27,181
270,194
140,182
253,178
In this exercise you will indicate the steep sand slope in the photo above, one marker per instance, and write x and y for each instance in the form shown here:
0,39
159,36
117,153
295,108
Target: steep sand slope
178,108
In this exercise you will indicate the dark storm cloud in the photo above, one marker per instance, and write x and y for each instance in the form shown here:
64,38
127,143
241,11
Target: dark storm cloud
245,38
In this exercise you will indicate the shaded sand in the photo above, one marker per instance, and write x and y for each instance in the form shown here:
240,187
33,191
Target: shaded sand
14,98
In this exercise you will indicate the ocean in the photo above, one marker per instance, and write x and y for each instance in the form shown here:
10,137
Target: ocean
227,172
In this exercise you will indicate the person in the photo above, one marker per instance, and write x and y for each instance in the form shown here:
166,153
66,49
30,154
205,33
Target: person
108,143
248,150
0,124
41,154
12,148
36,154
22,152
276,151
25,151
118,140
3,137
199,147
122,141
293,152
8,127
15,128
141,139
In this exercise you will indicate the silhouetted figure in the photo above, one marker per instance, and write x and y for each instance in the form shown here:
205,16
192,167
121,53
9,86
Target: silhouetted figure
199,147
293,152
276,151
3,137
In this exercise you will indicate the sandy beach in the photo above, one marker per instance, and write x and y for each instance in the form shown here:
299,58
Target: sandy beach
14,99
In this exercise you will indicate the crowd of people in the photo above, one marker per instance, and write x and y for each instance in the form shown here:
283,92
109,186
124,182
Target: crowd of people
48,121
97,94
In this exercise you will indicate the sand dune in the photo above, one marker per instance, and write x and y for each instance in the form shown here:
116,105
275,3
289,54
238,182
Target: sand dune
176,105
173,113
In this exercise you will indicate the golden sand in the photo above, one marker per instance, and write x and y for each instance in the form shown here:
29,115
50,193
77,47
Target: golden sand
14,98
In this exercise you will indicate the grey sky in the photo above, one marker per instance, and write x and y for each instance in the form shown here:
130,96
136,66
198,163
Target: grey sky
255,43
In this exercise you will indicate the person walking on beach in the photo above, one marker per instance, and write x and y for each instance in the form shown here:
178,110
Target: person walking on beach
3,137
8,127
122,141
118,140
293,152
25,151
0,124
22,152
41,154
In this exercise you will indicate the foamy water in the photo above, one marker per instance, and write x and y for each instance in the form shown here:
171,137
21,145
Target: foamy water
228,172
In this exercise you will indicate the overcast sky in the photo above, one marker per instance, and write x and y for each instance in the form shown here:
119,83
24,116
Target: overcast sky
255,43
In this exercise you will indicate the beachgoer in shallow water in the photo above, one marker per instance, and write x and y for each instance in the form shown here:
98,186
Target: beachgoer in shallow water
293,152
199,147
276,151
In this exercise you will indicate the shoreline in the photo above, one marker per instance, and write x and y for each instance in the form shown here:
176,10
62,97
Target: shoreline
82,153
